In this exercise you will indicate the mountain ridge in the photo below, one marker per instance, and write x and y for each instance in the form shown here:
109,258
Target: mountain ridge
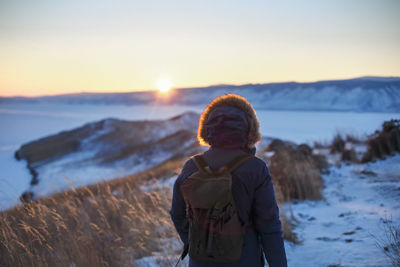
363,94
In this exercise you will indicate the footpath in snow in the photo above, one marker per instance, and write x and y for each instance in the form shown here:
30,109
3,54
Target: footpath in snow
341,230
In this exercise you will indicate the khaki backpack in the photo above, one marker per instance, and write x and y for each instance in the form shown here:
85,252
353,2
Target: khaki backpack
216,233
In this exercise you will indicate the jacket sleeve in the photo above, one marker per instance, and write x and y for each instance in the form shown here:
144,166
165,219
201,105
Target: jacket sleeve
178,207
267,223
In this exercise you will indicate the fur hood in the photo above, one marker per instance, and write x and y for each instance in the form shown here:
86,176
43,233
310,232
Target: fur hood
254,135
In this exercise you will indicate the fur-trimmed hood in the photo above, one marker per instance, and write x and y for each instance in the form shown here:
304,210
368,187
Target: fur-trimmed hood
237,101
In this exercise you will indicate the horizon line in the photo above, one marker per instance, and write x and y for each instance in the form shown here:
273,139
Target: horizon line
199,86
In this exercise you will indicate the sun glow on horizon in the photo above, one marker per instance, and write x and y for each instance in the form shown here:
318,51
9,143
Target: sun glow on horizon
164,85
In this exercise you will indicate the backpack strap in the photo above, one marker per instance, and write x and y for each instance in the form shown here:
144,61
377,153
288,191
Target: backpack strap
201,164
236,162
232,165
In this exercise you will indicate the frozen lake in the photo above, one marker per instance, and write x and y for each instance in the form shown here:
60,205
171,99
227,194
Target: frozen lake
22,123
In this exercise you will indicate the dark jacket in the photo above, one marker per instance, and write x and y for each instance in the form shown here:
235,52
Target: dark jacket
229,125
255,200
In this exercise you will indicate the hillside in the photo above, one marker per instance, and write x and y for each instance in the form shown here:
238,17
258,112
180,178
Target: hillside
106,149
365,94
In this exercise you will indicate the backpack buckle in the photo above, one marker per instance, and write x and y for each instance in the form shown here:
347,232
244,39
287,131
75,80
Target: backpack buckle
214,214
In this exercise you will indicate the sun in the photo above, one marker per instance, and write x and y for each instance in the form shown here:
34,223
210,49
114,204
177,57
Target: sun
164,85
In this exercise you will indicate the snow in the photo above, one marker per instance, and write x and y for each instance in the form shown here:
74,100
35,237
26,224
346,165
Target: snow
161,260
358,199
346,95
171,249
57,175
269,154
154,185
77,170
14,177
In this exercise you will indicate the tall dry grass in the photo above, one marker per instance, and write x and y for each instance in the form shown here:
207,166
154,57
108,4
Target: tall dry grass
384,142
295,171
109,224
297,179
347,154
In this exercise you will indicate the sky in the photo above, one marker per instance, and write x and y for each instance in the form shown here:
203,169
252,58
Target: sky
57,47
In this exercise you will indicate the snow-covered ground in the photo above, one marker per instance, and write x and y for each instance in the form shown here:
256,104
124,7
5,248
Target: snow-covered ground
340,230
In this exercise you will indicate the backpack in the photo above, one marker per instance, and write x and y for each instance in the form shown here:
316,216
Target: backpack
216,233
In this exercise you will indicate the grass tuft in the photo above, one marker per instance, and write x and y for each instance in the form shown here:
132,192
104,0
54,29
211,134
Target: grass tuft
295,171
383,142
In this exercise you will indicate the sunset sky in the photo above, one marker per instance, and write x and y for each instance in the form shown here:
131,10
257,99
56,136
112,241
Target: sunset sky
53,47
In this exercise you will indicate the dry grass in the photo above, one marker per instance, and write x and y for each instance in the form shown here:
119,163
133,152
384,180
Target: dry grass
109,224
384,142
298,179
287,226
392,250
295,172
390,242
338,145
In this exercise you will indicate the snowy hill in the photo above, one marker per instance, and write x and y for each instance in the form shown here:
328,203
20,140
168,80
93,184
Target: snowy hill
365,94
106,149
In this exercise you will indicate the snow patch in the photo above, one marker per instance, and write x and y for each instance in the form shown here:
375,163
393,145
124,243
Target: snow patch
169,256
156,184
340,229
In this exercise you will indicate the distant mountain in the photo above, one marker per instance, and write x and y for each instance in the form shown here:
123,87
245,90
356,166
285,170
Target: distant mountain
365,94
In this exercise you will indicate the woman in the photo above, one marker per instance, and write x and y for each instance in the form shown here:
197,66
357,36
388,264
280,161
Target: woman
230,127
